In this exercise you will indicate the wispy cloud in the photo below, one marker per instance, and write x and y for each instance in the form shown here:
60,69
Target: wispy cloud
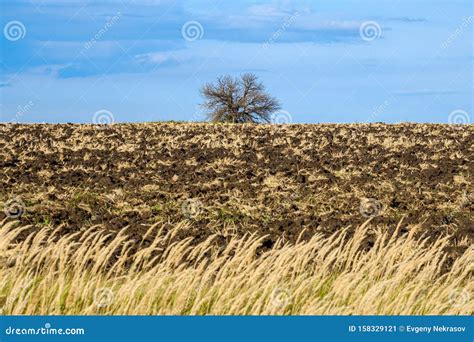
407,19
427,92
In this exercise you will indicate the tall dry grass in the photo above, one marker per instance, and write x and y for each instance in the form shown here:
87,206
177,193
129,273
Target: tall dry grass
90,272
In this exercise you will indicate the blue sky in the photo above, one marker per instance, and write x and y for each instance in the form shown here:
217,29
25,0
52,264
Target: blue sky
327,61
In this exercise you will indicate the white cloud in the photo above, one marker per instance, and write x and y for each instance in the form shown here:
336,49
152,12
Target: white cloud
161,57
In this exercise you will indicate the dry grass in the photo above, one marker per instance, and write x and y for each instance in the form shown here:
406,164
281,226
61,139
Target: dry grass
166,218
90,272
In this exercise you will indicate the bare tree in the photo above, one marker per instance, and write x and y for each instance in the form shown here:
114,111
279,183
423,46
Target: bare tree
238,100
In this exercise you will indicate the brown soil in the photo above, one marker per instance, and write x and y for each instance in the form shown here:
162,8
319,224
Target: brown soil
237,179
